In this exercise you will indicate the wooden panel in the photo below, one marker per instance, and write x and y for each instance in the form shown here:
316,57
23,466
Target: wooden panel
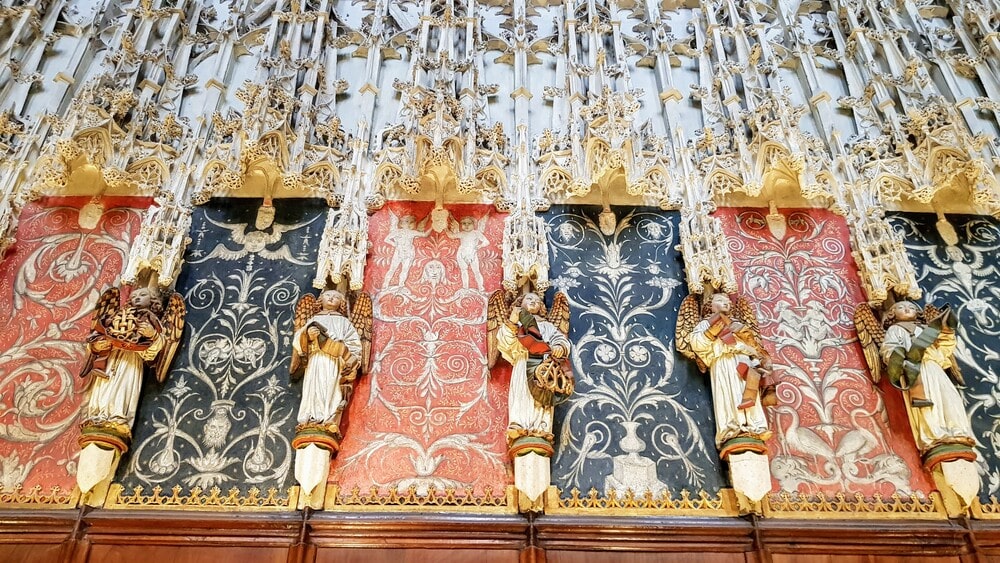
185,554
799,558
415,556
637,557
28,553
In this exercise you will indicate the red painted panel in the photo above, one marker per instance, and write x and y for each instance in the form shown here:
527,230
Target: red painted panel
832,433
429,414
49,283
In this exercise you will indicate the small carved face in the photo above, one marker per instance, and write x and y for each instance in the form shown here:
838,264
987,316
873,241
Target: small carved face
140,298
408,222
331,300
954,253
531,303
468,223
905,311
721,303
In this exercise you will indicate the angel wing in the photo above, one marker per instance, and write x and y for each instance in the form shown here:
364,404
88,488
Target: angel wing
559,312
284,253
172,322
687,318
362,314
744,312
307,306
932,312
497,313
107,305
871,334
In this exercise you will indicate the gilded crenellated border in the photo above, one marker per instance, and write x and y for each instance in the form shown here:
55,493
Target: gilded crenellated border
628,503
56,497
989,511
235,500
844,506
434,500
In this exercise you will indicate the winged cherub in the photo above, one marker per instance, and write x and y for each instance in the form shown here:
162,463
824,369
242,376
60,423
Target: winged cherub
328,349
538,348
915,347
253,242
724,339
124,341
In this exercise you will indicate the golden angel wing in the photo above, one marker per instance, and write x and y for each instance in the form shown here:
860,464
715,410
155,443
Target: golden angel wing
362,317
871,334
307,306
107,305
687,318
744,312
497,313
559,312
172,323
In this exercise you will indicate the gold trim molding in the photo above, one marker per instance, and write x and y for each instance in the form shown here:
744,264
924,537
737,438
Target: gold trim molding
613,503
989,511
196,499
35,498
448,500
854,507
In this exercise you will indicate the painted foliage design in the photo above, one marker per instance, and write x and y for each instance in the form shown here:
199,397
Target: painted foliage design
966,277
832,434
429,414
49,284
640,418
226,413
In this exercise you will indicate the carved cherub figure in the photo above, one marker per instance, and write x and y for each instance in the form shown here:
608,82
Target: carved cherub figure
915,347
123,342
724,340
329,348
402,236
472,239
537,346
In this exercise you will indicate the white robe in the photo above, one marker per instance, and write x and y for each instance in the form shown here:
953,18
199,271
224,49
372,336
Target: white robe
321,384
947,420
727,388
524,413
116,398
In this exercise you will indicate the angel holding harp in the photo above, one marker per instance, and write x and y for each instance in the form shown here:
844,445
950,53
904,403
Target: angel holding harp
915,347
329,348
124,340
537,346
725,341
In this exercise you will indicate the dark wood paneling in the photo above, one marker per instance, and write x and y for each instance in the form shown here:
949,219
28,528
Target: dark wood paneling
794,558
885,537
185,554
697,535
329,555
633,557
29,553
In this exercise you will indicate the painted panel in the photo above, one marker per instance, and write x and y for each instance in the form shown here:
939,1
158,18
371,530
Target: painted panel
831,431
226,413
429,413
49,283
966,276
641,416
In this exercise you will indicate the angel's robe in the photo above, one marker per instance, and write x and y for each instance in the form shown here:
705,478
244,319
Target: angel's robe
946,421
115,398
321,394
723,361
524,413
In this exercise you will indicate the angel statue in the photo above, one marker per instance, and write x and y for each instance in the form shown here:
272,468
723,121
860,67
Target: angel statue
724,339
123,343
330,347
916,347
537,346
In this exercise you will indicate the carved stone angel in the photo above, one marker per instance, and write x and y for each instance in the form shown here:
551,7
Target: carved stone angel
915,347
330,346
124,343
328,350
724,340
537,346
